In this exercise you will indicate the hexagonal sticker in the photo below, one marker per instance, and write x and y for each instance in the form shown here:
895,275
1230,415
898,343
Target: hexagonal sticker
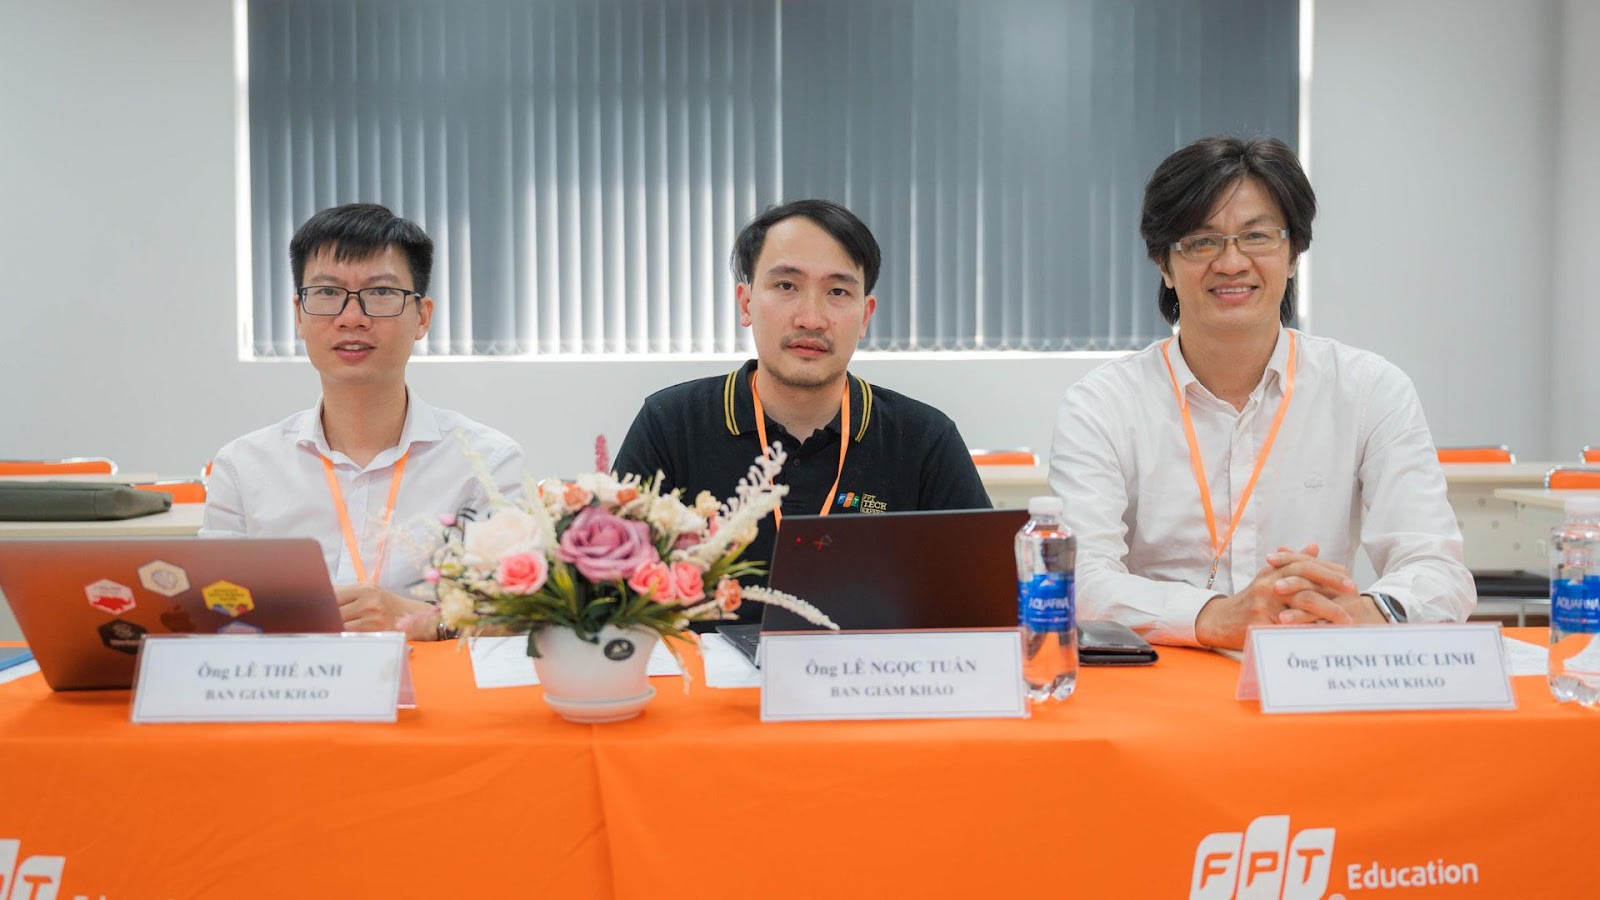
121,635
228,598
164,578
109,597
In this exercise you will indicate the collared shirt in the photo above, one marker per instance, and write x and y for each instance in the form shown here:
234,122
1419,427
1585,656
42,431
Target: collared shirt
271,483
904,455
1353,467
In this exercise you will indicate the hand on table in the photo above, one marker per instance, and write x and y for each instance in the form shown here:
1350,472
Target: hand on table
1294,588
367,607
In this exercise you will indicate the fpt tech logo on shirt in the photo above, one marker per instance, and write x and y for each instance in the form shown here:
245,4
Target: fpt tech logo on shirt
37,878
867,503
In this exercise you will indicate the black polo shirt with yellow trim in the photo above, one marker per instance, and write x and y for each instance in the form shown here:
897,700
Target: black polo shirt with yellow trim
904,455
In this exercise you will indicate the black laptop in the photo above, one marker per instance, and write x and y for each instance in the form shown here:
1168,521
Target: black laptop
894,572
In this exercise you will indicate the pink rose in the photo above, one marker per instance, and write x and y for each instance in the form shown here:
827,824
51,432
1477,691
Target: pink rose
690,583
655,580
728,595
522,573
686,540
605,547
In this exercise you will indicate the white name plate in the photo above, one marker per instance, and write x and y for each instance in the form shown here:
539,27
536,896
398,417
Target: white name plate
810,676
269,677
1373,668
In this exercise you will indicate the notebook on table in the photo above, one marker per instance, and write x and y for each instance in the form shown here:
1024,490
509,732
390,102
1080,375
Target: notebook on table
84,604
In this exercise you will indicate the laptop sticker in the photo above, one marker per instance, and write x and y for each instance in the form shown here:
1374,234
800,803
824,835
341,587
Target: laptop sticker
238,628
121,635
177,620
109,597
228,598
163,578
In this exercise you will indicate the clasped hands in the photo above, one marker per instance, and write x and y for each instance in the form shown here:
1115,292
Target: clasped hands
1294,588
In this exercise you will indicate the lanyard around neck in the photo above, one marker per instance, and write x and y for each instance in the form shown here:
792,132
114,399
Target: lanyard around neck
844,440
350,541
1217,547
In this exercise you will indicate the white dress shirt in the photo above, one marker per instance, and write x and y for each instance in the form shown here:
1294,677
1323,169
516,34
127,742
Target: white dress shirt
271,483
1353,460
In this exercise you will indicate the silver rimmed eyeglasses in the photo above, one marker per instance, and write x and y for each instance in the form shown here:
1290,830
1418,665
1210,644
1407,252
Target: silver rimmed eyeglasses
1254,242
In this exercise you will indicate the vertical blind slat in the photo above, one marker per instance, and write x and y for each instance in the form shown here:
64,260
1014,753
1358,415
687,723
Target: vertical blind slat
583,166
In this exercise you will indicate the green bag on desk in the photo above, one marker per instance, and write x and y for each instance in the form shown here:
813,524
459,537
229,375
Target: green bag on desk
77,501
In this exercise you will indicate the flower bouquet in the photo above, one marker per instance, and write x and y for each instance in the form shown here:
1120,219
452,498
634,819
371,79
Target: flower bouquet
608,563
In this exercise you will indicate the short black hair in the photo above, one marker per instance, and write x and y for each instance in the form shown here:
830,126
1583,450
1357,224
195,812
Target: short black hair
1187,184
359,231
851,233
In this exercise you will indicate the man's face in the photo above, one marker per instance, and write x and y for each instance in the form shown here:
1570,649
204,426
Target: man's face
1234,291
806,305
353,348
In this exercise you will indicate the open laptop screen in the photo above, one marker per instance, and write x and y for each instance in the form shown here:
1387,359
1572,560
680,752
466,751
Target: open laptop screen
898,571
84,604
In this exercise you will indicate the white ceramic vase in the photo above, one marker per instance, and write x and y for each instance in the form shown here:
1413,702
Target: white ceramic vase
604,682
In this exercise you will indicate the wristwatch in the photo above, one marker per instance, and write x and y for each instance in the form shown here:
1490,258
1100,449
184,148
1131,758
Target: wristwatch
1389,606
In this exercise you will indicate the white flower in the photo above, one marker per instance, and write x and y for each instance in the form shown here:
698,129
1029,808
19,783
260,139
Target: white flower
507,530
602,485
668,515
455,604
707,505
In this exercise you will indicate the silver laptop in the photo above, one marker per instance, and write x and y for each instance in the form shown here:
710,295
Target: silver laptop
85,604
894,571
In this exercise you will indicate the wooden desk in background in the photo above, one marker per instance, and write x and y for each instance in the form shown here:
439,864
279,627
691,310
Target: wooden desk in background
182,520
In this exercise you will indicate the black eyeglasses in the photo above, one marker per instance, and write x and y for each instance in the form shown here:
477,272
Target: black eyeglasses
378,302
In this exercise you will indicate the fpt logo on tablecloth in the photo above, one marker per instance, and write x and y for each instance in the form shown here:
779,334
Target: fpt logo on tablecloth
1269,862
36,878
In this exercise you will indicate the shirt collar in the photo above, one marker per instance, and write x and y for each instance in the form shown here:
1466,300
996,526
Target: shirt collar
421,427
739,407
1278,363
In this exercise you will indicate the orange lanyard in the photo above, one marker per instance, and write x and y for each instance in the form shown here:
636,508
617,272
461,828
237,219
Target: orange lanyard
844,440
1200,468
350,541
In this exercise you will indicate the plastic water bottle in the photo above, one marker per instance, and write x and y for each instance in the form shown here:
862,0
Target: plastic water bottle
1046,607
1575,604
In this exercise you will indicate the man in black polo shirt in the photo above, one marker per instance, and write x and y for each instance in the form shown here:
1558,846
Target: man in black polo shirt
806,271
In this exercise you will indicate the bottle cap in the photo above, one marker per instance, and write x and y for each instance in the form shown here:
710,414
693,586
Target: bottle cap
1046,506
1577,507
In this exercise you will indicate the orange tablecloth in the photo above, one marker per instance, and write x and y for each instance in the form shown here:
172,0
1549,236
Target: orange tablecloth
487,794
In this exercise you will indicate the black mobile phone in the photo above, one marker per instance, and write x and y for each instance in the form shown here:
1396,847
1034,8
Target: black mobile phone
1112,644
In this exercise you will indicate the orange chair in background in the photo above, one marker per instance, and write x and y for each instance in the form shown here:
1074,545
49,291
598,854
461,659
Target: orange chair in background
1590,456
1022,457
1500,454
1572,478
78,465
181,491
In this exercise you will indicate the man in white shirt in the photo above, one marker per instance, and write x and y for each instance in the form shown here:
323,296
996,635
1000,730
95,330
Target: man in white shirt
1303,442
370,469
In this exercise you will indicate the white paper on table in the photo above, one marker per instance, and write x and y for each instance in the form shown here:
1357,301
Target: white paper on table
1523,658
20,670
499,662
726,667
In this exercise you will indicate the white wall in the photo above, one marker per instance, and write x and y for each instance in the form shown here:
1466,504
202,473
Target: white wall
117,248
1432,139
1574,403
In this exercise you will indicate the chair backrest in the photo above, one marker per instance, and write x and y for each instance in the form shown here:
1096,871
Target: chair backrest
1022,457
78,465
1590,456
1572,478
182,491
1485,454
